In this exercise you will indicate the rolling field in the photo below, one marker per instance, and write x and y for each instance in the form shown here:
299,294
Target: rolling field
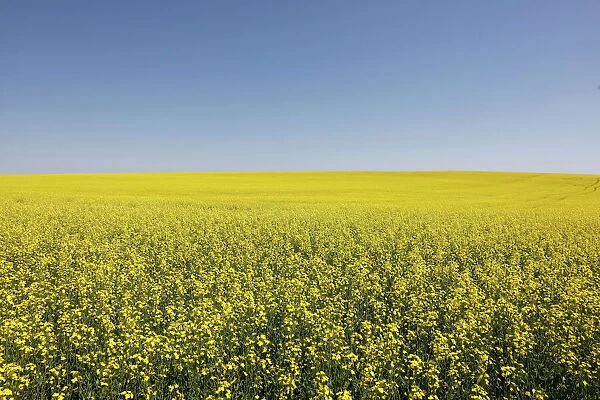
326,285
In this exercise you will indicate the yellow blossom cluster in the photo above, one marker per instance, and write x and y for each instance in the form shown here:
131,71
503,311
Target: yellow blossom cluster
300,285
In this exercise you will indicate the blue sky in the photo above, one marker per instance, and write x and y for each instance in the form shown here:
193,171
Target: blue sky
117,86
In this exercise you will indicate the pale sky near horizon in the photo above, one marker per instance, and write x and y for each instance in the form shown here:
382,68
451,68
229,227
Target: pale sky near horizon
119,86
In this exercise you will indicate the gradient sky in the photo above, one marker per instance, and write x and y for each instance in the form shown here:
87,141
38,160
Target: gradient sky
116,86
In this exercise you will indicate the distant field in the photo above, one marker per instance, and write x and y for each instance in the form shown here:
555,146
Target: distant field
327,285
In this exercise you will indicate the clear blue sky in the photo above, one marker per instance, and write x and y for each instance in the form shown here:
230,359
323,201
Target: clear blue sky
115,86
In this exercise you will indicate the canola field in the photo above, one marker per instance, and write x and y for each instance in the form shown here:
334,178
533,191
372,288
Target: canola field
321,285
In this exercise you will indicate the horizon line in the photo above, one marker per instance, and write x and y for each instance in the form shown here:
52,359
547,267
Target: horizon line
301,171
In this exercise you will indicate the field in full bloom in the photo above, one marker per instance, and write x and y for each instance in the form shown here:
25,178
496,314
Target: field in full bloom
326,285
